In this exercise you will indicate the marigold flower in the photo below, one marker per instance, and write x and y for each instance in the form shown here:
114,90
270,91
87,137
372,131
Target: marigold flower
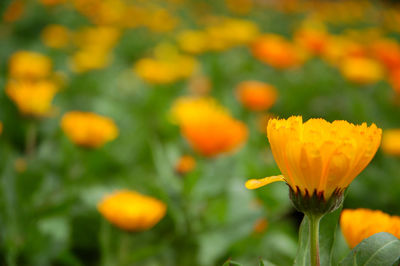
387,51
193,41
391,141
55,36
313,40
255,95
14,11
277,52
208,127
32,98
394,79
31,65
132,211
185,164
361,70
318,156
88,129
360,224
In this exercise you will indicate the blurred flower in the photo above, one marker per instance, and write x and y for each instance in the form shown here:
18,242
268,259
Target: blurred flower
361,70
20,165
276,51
360,224
387,51
394,79
132,211
256,95
193,41
317,156
52,2
29,65
88,129
32,98
160,20
56,36
185,164
391,141
312,36
85,60
14,11
240,7
260,226
199,85
208,127
339,48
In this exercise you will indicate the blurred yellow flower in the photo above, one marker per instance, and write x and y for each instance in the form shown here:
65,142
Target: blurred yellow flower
160,20
241,7
276,51
208,127
56,36
87,59
185,164
32,98
256,95
312,36
88,129
318,156
391,141
29,65
360,224
193,41
361,70
132,211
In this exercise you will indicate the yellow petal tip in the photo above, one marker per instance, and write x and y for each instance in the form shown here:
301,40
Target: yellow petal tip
256,183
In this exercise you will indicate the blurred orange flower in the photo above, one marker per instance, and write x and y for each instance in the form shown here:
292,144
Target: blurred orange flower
14,11
276,51
208,127
361,70
260,225
88,129
132,211
394,79
256,95
29,65
56,36
387,51
318,156
32,98
313,40
391,141
360,224
185,164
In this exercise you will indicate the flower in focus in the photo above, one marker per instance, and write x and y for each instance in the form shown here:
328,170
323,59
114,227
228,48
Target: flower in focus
276,51
359,224
29,65
88,129
255,95
32,98
132,211
55,36
207,126
185,164
391,141
317,156
361,70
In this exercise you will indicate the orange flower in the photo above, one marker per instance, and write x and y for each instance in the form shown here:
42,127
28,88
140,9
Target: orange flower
24,64
360,224
88,129
387,51
312,36
394,79
185,164
32,98
132,211
255,95
208,127
56,36
318,156
361,70
391,141
14,11
277,52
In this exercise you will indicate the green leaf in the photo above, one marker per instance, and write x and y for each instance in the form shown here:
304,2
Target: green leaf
230,262
265,263
327,236
379,249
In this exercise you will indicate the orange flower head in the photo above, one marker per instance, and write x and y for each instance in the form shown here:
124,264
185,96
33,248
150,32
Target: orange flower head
277,52
185,164
14,11
31,65
56,36
394,79
32,98
312,36
360,224
361,70
387,51
318,156
88,129
132,211
391,141
207,126
256,96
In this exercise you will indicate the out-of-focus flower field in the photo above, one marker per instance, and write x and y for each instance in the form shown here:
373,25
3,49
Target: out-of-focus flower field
129,128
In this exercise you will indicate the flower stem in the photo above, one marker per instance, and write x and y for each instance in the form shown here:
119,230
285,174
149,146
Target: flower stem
314,238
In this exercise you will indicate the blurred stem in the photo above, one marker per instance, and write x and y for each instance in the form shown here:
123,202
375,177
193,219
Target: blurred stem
31,135
123,248
314,238
105,241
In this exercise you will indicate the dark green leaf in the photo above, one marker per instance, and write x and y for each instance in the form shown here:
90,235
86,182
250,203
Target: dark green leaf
379,249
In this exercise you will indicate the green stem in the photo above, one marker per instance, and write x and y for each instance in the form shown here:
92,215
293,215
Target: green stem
31,138
314,238
105,242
